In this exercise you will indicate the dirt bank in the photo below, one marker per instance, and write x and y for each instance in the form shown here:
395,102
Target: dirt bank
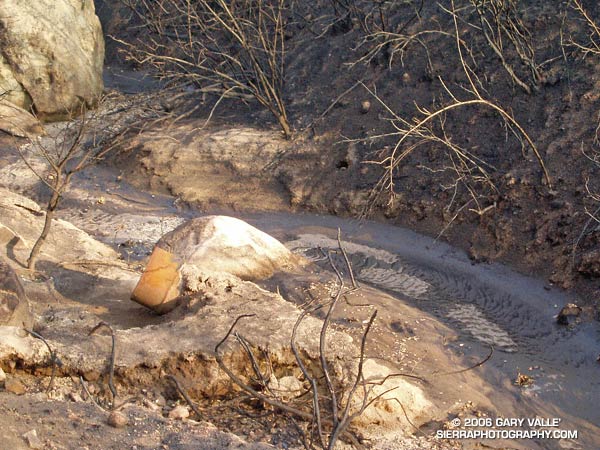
509,213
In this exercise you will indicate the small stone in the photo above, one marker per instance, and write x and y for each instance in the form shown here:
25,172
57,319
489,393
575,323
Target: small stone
15,386
75,397
365,106
151,405
33,440
523,380
160,400
569,312
2,377
406,78
180,412
91,375
117,419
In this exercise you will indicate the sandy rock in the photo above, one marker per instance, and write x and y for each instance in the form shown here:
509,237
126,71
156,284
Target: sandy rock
286,387
18,122
117,419
33,440
14,386
386,413
211,245
53,53
65,241
199,167
2,377
14,306
180,412
16,344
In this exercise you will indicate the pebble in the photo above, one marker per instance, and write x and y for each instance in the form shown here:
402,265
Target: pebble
151,405
365,106
160,400
33,440
15,386
75,397
2,376
180,412
117,419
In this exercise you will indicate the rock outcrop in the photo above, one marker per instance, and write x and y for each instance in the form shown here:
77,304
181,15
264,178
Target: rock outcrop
52,53
22,220
205,246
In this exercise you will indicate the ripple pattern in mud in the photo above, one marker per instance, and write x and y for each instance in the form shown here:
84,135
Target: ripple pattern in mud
473,321
118,228
371,265
479,312
395,281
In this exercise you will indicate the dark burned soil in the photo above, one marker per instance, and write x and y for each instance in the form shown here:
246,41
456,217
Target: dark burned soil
335,64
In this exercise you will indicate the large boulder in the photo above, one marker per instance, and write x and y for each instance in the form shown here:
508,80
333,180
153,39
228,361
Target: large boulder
52,54
205,246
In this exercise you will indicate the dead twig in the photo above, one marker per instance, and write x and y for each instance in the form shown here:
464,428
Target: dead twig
55,361
90,396
346,260
111,363
185,395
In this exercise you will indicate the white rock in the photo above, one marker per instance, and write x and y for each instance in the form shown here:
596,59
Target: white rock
227,245
65,242
386,414
14,345
206,247
286,387
14,306
33,440
180,412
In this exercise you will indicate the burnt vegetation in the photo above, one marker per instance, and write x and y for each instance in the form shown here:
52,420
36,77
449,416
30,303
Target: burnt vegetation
460,129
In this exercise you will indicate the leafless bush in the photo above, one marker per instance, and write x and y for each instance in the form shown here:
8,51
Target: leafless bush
501,24
229,48
429,130
382,37
592,46
328,406
498,22
589,47
73,147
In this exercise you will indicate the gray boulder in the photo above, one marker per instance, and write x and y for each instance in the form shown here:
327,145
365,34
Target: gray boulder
52,53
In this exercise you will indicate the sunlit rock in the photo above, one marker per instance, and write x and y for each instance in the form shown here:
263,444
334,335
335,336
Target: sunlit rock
205,246
18,122
52,55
